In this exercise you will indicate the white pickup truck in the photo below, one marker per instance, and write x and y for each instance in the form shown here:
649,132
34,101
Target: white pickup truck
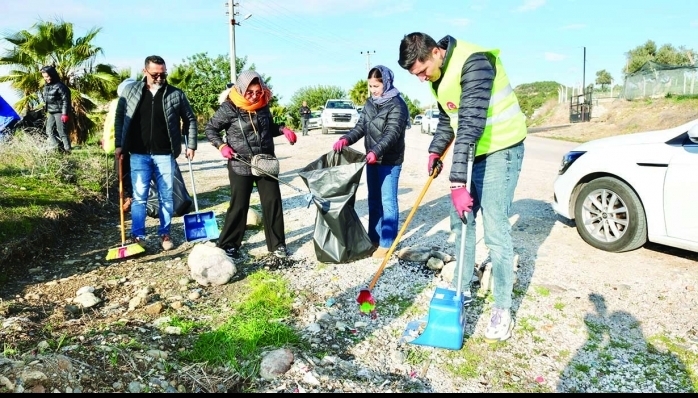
339,115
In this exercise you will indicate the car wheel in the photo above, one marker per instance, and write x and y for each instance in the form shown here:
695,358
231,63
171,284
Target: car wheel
610,216
324,130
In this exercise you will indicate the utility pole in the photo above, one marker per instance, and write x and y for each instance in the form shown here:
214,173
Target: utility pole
584,72
368,59
231,34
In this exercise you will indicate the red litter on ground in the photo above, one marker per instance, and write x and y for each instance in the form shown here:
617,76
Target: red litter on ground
540,380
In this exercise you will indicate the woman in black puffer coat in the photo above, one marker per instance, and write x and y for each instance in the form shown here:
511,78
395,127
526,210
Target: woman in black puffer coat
382,125
248,129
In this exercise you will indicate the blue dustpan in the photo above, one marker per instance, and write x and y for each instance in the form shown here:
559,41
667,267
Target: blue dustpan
446,319
199,226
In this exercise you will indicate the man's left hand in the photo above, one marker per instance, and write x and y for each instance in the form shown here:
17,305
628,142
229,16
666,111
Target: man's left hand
462,201
64,118
290,135
190,154
371,158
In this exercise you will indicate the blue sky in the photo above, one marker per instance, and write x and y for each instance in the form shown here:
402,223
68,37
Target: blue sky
303,43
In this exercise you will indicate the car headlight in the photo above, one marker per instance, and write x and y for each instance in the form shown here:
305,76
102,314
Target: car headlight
568,159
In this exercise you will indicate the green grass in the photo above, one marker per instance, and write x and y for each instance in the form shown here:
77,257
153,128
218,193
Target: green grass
253,327
37,185
542,291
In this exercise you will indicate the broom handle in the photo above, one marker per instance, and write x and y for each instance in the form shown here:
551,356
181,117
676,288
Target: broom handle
468,219
407,222
121,200
191,176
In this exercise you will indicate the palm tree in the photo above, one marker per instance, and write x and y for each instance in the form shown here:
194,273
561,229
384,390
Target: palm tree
359,93
54,43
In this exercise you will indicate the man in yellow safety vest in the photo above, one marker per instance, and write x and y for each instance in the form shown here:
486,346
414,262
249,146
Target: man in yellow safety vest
477,106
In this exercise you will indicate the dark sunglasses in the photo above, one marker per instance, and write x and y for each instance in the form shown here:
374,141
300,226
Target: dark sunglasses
157,75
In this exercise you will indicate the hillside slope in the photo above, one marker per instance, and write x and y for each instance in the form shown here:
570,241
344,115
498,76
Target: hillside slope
616,117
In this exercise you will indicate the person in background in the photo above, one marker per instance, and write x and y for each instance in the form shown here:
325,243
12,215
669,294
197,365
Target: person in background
305,116
57,106
243,126
382,125
150,121
477,106
108,143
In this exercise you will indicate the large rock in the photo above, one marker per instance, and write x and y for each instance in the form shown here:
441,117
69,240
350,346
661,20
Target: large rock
208,265
276,363
254,218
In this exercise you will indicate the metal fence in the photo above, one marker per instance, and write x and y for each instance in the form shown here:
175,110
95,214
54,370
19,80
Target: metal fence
657,80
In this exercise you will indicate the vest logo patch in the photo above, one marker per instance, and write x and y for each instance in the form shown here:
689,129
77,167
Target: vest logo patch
450,105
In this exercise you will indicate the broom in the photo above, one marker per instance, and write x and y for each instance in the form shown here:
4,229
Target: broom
124,250
367,303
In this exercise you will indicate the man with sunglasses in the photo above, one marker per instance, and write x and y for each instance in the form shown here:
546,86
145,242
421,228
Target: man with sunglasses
151,118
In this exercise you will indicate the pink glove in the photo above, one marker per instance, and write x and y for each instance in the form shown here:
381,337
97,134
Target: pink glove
462,201
64,118
435,165
290,135
371,158
228,152
340,144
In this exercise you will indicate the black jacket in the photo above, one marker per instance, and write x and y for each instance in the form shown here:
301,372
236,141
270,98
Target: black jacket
179,117
242,127
56,94
383,129
477,78
305,112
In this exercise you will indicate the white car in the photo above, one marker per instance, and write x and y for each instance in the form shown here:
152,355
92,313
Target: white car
339,115
315,120
626,190
429,121
417,119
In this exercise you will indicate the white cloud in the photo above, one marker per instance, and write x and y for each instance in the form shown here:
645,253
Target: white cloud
459,22
574,26
530,5
554,57
694,23
392,9
478,5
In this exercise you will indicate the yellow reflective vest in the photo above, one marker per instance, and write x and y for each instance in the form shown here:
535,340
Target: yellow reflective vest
506,124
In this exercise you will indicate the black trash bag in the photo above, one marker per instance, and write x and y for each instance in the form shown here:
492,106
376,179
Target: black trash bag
333,180
180,195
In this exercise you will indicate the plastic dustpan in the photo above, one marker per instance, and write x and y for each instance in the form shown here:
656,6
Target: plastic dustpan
199,226
445,323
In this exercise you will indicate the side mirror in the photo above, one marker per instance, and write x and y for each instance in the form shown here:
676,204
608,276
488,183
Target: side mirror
693,134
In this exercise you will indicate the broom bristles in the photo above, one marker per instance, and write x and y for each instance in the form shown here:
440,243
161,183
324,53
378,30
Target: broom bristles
125,251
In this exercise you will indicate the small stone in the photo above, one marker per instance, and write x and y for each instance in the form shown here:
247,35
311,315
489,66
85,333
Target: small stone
38,389
154,309
173,330
176,305
85,289
194,295
134,387
136,302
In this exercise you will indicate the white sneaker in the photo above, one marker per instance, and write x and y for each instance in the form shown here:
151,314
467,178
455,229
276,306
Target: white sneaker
500,326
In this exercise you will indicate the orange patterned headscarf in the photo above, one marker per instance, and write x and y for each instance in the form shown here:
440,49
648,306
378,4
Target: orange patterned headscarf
237,93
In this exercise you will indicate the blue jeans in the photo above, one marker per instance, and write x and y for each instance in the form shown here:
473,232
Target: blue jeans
383,212
492,188
143,167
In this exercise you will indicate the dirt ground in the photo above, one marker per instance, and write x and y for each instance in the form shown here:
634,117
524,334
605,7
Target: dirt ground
118,346
616,117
